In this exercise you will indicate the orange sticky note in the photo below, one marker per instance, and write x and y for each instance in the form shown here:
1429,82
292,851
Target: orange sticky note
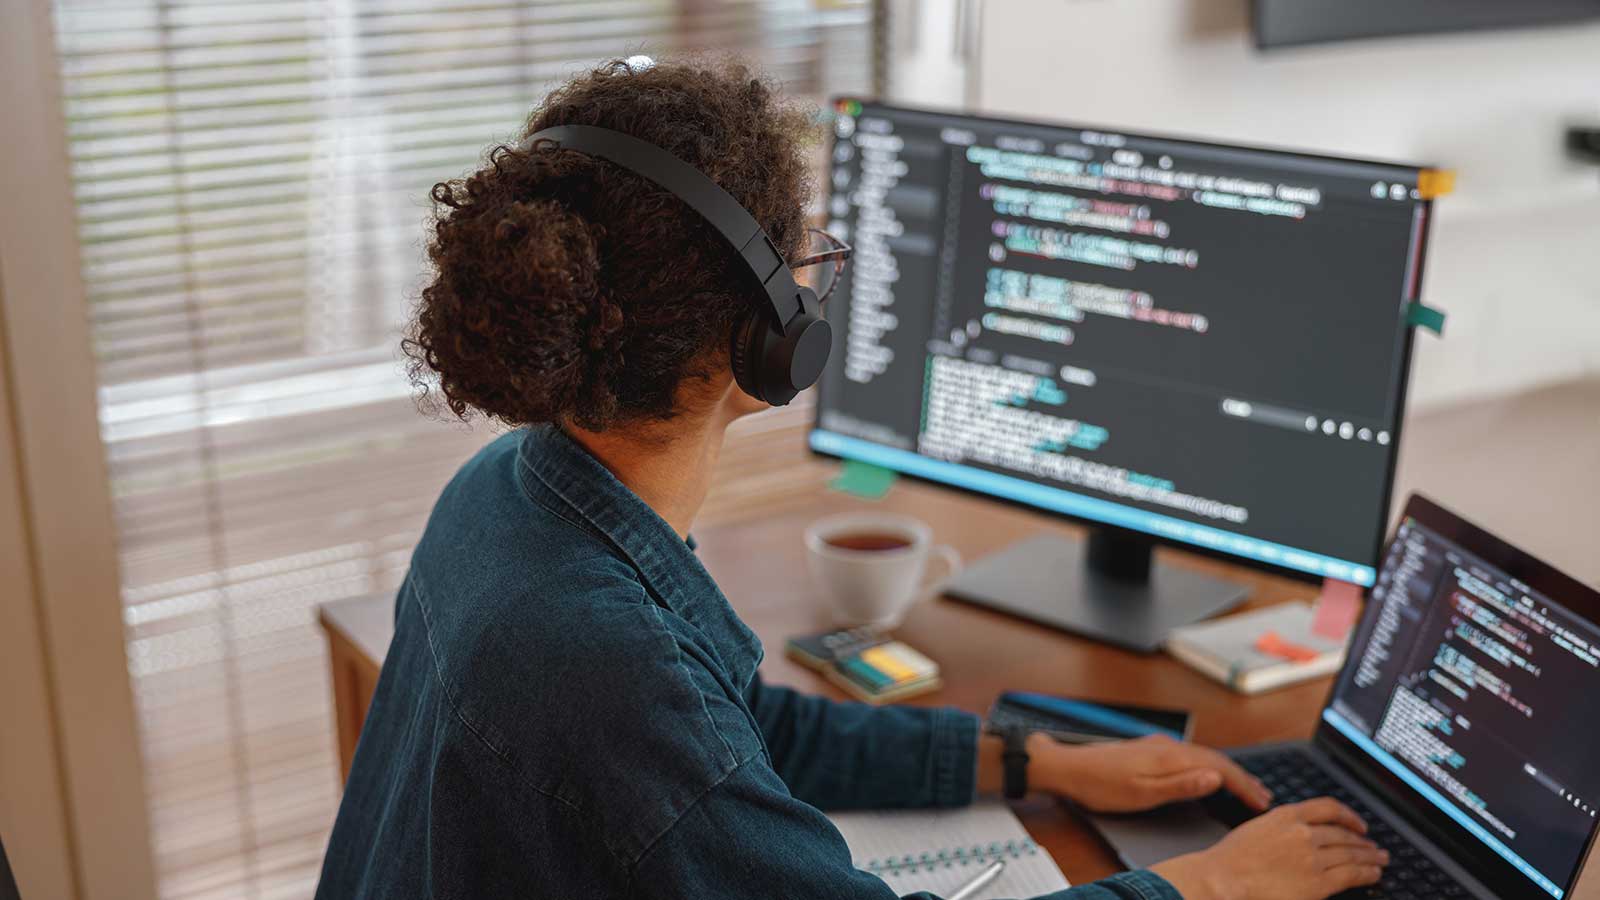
1336,609
1274,644
1435,183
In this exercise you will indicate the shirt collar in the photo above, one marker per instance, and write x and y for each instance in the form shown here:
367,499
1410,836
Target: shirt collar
551,464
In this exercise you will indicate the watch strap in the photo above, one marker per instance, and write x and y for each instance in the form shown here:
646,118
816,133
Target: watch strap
1015,761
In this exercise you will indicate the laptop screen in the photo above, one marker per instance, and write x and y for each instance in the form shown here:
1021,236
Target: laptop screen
1476,692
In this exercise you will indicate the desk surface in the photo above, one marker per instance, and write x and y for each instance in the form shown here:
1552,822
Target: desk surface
366,622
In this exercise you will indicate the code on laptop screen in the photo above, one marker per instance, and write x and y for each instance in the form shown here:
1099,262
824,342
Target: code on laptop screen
1469,685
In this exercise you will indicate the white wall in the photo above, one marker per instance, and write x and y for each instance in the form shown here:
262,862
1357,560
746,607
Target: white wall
930,52
1515,253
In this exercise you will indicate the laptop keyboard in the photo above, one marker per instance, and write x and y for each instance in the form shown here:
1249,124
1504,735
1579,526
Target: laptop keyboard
1294,776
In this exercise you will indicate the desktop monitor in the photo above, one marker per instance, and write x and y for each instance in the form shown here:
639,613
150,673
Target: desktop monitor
1175,342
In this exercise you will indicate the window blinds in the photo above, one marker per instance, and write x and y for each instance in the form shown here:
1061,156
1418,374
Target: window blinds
251,183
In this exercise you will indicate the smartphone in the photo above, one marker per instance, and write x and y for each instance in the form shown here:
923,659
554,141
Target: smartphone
1076,721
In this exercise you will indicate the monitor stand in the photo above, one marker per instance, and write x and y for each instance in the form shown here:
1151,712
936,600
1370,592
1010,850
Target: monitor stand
1106,588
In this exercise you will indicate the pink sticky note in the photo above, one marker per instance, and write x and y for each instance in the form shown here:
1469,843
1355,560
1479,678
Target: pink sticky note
1336,609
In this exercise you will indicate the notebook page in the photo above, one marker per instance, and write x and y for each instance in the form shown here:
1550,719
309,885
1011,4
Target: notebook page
940,850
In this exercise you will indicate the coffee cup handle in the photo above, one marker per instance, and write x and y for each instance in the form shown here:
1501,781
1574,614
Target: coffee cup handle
952,566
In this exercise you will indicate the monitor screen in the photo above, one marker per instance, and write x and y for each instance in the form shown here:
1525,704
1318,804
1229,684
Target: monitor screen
1475,690
1203,343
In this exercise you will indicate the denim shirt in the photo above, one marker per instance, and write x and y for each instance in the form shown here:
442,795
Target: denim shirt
570,709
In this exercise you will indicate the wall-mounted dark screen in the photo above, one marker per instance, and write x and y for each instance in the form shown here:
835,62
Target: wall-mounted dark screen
1280,23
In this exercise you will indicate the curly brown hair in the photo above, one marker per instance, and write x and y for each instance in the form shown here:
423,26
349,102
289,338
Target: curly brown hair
568,289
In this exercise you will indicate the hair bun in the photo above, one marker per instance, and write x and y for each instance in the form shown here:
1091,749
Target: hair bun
545,259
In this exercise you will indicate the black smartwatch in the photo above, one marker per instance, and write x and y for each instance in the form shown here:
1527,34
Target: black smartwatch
1015,758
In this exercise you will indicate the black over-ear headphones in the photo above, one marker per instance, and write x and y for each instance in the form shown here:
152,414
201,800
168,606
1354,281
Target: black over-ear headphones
781,346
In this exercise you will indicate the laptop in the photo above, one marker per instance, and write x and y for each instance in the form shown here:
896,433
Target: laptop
8,884
1464,726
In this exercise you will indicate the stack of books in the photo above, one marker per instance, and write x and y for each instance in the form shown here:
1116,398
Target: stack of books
868,663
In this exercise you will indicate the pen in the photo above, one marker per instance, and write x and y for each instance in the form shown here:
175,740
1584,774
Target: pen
980,881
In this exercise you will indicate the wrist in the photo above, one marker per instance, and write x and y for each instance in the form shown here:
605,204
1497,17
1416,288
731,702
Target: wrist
991,769
1193,877
1052,768
1055,768
1017,759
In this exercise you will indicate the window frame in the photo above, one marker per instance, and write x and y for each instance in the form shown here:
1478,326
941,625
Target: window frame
89,808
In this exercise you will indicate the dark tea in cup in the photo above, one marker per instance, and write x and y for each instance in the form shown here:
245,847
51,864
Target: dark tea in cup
873,566
867,540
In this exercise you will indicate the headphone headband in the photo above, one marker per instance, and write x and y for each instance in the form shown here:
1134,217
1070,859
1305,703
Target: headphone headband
702,195
780,347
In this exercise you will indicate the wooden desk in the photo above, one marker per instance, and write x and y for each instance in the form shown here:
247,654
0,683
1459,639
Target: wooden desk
359,632
760,563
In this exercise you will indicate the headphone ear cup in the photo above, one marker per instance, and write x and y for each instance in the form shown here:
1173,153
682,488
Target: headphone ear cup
772,365
745,353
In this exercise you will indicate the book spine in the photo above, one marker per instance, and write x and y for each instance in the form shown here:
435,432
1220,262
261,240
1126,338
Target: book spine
1203,663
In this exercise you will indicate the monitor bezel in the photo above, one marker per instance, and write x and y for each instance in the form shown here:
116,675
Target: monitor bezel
1496,873
1407,340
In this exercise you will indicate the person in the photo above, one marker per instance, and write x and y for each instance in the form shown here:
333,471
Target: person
570,707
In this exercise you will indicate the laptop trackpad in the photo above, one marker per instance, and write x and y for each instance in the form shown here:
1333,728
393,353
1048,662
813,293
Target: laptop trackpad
1142,839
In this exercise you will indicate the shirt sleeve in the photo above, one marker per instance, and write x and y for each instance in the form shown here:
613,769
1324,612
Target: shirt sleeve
836,755
747,837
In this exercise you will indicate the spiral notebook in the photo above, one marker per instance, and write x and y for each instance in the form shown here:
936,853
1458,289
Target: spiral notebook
938,851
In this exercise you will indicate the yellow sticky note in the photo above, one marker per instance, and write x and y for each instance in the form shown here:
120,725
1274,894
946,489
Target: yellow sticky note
1433,183
884,661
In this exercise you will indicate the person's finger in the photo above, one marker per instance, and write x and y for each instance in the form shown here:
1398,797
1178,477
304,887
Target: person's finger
1343,878
1240,783
1328,811
1337,836
1351,855
1190,785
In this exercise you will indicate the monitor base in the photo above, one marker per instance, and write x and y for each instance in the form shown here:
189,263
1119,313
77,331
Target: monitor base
1049,580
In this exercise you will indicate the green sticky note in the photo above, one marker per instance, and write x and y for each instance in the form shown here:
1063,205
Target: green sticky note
864,674
863,479
1421,316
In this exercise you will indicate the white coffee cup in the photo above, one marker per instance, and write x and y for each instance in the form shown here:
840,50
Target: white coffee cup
876,586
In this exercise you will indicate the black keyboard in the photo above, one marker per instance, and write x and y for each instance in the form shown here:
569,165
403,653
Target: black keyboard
1293,776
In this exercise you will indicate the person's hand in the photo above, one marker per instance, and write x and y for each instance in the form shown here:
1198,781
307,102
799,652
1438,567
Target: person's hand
1304,851
1128,776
